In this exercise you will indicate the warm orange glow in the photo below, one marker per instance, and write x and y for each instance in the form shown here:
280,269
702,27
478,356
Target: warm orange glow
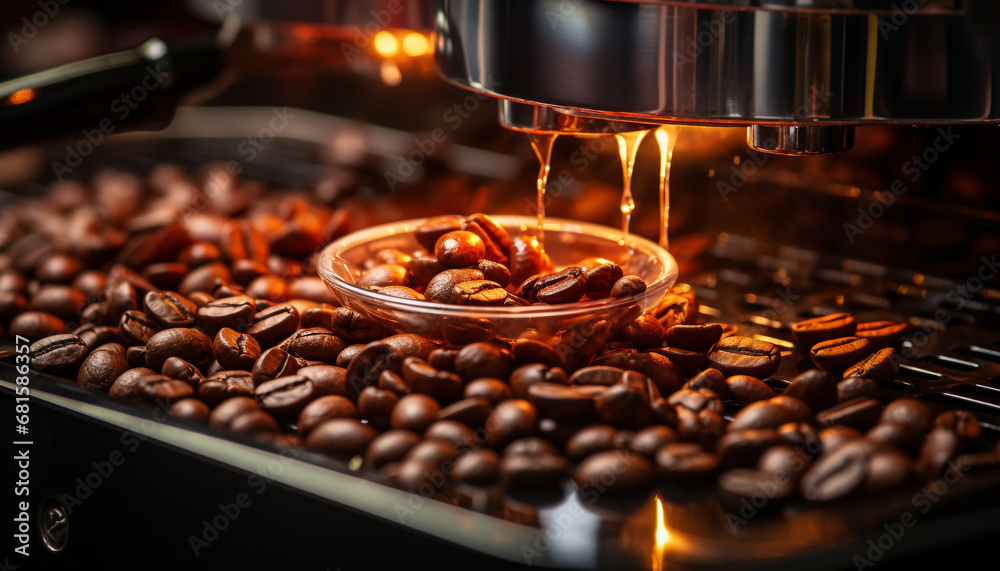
386,43
662,536
22,96
390,74
416,44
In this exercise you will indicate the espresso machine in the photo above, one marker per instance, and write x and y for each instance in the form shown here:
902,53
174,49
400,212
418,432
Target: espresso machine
820,209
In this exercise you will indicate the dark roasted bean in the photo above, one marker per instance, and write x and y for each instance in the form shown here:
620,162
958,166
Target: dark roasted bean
698,338
494,272
57,353
375,405
854,387
628,286
879,367
314,344
479,292
477,467
352,327
271,364
745,356
823,328
203,278
510,420
428,232
241,241
536,470
686,463
188,344
816,388
414,412
327,379
477,360
226,412
495,239
62,301
324,408
961,422
401,292
274,324
837,355
102,367
493,390
527,258
235,350
745,389
225,385
191,410
590,440
601,278
882,334
135,328
441,287
770,413
136,356
340,438
285,397
386,275
391,381
645,332
391,446
861,414
368,364
126,386
162,390
35,325
632,472
444,386
177,368
742,448
235,312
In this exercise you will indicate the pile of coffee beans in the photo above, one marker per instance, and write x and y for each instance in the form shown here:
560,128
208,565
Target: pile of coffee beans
218,318
473,261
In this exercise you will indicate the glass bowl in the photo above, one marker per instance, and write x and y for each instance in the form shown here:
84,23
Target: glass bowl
567,243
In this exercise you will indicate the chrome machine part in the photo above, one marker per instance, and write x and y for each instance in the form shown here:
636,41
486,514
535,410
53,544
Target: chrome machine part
813,68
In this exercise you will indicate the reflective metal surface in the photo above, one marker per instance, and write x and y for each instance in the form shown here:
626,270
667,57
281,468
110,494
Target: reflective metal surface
363,15
790,63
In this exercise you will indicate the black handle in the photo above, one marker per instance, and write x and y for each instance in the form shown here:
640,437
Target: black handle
136,89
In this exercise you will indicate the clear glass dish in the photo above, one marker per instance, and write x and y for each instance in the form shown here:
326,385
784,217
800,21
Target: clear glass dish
567,242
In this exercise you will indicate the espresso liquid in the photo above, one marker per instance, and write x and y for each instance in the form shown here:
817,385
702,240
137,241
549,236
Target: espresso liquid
542,143
666,138
628,144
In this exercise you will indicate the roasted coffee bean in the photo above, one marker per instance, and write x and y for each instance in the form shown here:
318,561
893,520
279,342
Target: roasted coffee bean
743,448
644,332
188,344
444,386
191,410
527,258
566,286
494,272
375,405
861,414
493,390
285,397
314,344
836,436
57,353
879,367
525,376
909,412
745,356
167,275
939,447
11,304
479,292
696,400
539,470
633,472
592,439
460,435
327,379
888,468
649,440
391,446
351,326
392,381
803,436
495,238
816,388
837,355
226,412
163,391
58,268
274,324
597,375
601,278
102,367
510,420
441,287
711,379
624,405
770,413
269,287
432,451
62,301
686,463
203,278
745,389
386,275
273,363
340,438
199,253
823,328
705,427
784,462
347,355
35,325
854,387
368,364
136,356
429,231
177,368
628,286
241,241
882,334
534,351
425,267
961,422
563,402
477,360
840,473
897,435
126,386
225,385
324,408
477,467
689,362
401,292
471,412
96,335
235,350
135,328
235,312
698,338
459,331
529,446
459,249
201,299
91,282
255,424
414,412
741,486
